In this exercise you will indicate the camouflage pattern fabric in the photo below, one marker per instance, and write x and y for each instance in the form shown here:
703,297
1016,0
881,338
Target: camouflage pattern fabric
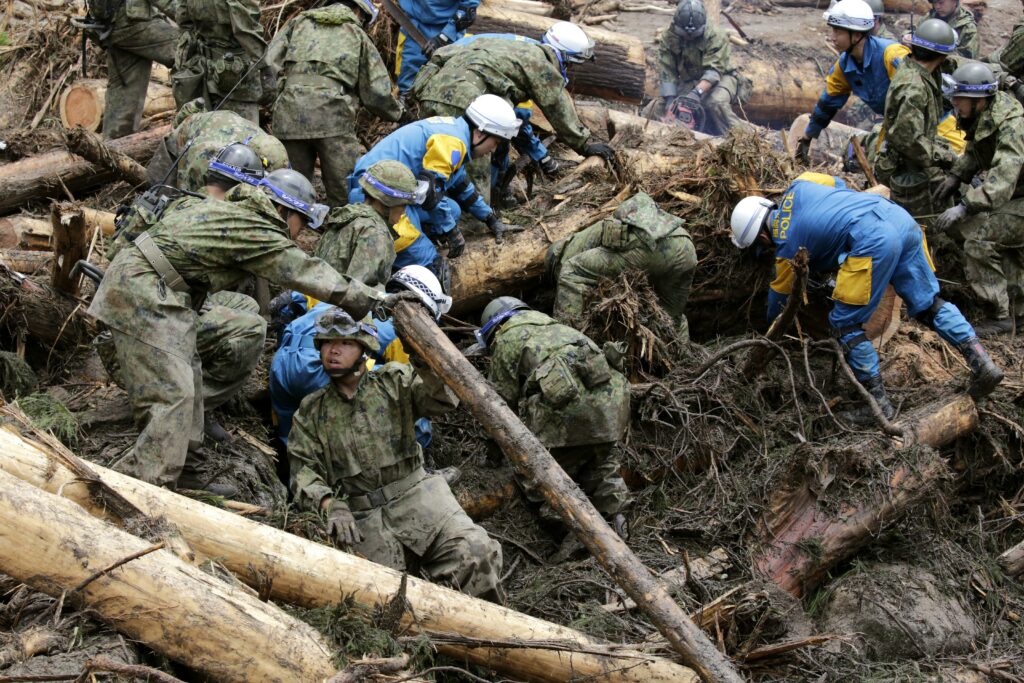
638,236
968,45
1011,55
993,232
211,244
358,243
140,35
561,385
337,157
914,158
349,447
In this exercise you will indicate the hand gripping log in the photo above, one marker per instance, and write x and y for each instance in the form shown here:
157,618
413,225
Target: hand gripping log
529,456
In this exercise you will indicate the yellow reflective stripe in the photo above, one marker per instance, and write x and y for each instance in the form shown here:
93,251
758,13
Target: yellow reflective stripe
835,82
395,353
398,53
819,178
927,252
947,130
528,104
406,233
311,302
785,276
853,284
445,154
892,57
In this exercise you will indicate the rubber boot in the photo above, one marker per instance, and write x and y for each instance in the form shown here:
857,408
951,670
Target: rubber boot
214,429
985,375
876,388
991,328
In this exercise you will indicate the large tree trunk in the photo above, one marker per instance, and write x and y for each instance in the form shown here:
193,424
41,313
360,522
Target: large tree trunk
313,575
830,147
891,6
530,457
807,531
49,317
617,73
782,89
222,631
84,101
27,232
47,174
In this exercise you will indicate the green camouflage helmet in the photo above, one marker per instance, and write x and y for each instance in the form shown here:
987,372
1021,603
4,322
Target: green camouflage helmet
976,80
936,36
495,313
335,323
391,183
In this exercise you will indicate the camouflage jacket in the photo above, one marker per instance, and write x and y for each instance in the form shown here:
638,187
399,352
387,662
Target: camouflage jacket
996,146
328,65
209,132
966,29
518,70
222,38
213,244
142,10
1011,55
559,381
357,242
682,64
340,446
913,107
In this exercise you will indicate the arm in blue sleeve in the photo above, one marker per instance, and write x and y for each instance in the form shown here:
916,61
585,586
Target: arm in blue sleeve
824,110
526,142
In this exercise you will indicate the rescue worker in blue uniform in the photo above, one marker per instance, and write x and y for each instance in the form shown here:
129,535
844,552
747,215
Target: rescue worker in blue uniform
873,243
441,21
436,150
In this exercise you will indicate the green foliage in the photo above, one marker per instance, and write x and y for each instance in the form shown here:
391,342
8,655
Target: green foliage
50,415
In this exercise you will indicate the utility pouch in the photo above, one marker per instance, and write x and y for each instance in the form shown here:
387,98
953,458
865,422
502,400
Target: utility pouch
912,191
188,82
557,383
614,235
593,369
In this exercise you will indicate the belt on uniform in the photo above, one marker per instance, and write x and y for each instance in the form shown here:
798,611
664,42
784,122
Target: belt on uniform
315,79
387,493
160,264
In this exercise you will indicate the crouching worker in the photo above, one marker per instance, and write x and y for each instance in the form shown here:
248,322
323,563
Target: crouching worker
354,458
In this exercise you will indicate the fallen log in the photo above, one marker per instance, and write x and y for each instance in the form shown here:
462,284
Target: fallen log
1012,561
805,533
830,147
891,6
482,505
618,71
27,262
783,89
34,308
47,175
83,102
95,149
150,595
529,456
312,575
700,569
28,232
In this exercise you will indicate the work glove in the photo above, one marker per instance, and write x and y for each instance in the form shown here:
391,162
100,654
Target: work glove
500,229
691,100
435,44
283,310
600,149
341,524
456,242
946,188
386,307
465,18
268,82
950,216
549,165
803,150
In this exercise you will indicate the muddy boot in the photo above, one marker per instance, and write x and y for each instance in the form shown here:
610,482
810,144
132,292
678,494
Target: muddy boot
619,522
214,430
876,388
985,375
194,480
991,328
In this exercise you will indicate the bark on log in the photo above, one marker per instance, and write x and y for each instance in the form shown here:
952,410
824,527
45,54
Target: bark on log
95,149
617,73
804,536
84,101
27,232
46,175
222,631
312,575
482,505
782,89
54,320
830,147
891,6
27,262
1012,561
521,446
70,245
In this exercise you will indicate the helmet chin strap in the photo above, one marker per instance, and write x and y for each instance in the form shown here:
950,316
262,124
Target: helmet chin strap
339,373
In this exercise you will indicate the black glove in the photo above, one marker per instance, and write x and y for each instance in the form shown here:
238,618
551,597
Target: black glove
456,242
500,229
691,100
268,82
946,188
549,165
803,150
950,216
599,149
283,310
435,189
435,44
465,18
386,307
341,525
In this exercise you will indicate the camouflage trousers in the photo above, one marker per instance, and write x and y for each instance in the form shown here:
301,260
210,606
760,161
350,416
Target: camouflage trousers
478,169
337,157
993,245
170,395
132,47
580,262
595,468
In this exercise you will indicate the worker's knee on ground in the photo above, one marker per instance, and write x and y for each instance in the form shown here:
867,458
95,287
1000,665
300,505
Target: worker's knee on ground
471,562
718,98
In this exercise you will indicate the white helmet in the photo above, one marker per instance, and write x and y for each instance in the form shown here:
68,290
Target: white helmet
493,115
747,219
425,284
570,41
852,15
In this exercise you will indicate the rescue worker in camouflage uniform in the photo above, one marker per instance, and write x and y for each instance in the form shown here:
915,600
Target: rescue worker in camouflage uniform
880,30
442,22
359,240
221,40
198,135
990,217
1010,57
566,393
151,291
328,68
960,20
873,243
913,159
140,33
517,69
696,71
638,236
355,459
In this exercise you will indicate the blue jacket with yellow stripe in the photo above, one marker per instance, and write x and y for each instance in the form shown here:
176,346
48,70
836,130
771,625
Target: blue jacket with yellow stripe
436,16
868,80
